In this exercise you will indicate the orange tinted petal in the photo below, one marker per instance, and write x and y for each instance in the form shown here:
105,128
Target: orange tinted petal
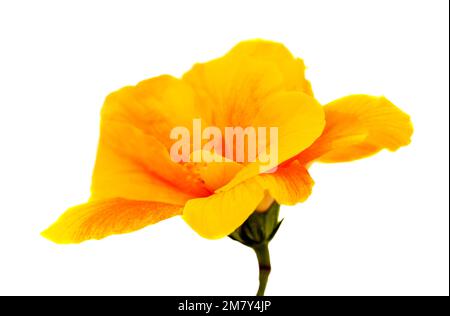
135,142
97,220
119,175
146,151
289,185
154,106
359,126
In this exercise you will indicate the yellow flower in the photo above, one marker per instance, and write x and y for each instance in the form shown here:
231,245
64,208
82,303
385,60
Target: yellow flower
258,83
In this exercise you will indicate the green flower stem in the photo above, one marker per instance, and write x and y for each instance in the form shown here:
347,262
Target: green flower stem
256,232
262,253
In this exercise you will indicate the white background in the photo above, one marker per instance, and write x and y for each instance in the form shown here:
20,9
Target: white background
374,227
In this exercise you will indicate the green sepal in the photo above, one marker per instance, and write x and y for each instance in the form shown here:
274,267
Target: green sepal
259,228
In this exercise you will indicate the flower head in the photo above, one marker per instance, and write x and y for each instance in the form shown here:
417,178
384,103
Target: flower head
257,84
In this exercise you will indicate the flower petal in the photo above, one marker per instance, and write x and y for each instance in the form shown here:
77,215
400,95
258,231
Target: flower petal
289,185
292,69
359,126
217,174
137,148
299,118
221,213
135,143
230,90
97,220
153,106
119,175
300,121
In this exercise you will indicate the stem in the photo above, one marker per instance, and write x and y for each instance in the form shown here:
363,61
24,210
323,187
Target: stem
262,253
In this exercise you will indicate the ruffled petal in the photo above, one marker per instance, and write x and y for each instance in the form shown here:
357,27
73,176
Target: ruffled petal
135,143
231,89
291,68
154,106
97,220
359,126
